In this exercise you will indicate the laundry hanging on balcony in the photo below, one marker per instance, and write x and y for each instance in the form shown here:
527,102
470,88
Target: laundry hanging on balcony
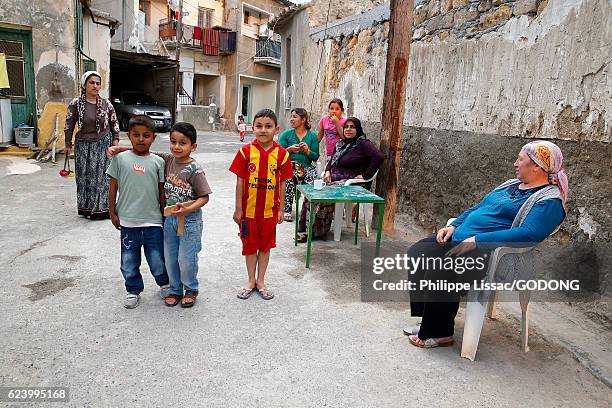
211,41
227,42
188,33
197,33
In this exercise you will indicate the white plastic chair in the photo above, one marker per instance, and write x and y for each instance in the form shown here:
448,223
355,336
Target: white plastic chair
475,311
365,209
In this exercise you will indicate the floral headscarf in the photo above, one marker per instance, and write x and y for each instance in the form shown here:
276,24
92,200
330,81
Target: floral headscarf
548,156
100,113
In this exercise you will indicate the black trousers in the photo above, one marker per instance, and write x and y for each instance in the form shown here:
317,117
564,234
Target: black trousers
436,306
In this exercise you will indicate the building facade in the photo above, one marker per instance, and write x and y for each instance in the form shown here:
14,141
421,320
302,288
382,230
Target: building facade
229,56
257,65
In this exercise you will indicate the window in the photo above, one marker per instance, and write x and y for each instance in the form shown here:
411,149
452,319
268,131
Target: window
145,7
15,65
88,64
247,15
205,17
246,89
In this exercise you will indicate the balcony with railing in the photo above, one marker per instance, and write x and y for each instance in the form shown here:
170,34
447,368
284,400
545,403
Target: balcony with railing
267,52
212,41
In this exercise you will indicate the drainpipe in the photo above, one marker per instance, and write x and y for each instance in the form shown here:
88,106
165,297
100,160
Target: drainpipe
238,16
122,25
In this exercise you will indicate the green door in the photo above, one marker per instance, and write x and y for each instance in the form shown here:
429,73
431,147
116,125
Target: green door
17,45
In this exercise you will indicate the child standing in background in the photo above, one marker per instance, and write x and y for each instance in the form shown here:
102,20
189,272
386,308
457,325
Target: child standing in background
331,125
242,127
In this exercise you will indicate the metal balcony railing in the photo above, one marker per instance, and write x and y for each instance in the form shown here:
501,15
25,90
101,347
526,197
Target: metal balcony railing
268,49
196,37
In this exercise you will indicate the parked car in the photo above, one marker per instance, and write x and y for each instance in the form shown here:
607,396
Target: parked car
131,103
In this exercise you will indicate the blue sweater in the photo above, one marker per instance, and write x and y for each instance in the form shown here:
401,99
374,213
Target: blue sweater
491,220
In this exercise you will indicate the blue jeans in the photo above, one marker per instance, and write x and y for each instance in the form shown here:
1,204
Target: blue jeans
181,253
132,239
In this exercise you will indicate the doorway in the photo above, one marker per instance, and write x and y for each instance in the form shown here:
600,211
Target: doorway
247,103
17,46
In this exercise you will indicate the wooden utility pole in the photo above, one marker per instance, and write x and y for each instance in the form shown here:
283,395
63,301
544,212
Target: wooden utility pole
179,37
396,75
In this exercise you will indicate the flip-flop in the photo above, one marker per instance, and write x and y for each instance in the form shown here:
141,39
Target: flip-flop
189,294
176,300
430,343
245,293
265,297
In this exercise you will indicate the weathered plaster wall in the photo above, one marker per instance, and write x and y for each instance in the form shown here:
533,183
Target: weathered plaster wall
96,44
52,25
291,81
338,10
544,75
485,76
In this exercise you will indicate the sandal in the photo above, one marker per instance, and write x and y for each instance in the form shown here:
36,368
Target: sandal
189,294
172,300
245,293
265,293
302,237
430,343
410,330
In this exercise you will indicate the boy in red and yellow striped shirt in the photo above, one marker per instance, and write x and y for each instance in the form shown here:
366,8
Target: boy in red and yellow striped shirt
262,168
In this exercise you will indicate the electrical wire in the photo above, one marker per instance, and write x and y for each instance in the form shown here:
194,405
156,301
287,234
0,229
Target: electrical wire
314,91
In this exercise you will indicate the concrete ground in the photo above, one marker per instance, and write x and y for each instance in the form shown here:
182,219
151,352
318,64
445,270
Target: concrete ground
63,322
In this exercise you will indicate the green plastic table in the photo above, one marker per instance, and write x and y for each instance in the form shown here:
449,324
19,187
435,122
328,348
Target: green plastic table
336,194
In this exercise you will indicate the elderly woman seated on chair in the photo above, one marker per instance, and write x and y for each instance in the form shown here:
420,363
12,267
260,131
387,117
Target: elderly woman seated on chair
519,212
354,156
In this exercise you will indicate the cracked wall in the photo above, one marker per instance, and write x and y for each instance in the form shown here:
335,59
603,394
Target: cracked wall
52,26
543,72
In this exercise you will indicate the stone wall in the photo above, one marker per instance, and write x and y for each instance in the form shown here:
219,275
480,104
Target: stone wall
468,19
337,10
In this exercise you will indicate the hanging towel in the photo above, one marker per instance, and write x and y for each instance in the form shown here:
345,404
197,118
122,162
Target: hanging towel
4,81
197,33
223,39
211,42
187,33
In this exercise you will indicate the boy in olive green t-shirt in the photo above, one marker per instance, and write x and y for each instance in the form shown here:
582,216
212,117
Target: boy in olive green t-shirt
138,177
